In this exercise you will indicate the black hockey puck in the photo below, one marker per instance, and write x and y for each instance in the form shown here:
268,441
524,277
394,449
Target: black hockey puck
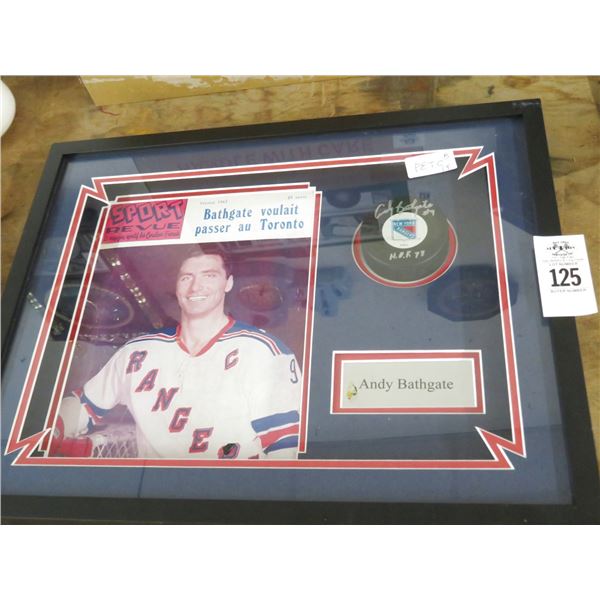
405,244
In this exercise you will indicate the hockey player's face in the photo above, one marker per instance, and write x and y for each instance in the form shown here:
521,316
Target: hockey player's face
201,285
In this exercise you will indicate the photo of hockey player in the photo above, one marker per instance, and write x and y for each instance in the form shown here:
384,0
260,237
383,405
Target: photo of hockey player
212,387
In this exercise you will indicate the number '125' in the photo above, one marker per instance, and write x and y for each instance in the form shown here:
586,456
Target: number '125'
569,277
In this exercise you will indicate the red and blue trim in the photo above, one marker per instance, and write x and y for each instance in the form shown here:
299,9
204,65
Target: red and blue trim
95,413
243,330
162,335
278,431
233,329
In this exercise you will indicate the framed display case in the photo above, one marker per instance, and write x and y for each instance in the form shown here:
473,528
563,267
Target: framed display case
325,321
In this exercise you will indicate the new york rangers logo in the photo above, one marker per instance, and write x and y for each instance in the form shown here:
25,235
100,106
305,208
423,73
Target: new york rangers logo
404,229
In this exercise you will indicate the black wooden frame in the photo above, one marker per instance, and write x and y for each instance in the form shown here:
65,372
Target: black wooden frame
571,386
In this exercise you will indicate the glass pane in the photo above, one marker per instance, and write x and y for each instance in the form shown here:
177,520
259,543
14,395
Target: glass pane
420,283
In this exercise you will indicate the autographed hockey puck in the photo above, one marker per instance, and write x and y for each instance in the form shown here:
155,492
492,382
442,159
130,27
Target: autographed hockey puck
405,244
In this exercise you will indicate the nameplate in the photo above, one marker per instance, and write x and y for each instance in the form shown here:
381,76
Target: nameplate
444,381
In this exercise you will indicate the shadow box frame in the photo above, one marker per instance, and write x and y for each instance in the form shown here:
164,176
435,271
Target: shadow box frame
579,443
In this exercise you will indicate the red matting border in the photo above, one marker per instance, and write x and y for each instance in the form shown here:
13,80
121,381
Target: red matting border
497,445
339,358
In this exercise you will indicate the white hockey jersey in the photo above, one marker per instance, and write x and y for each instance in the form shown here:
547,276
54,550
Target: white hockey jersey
239,397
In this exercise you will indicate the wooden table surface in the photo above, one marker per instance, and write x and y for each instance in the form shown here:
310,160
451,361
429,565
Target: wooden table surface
53,109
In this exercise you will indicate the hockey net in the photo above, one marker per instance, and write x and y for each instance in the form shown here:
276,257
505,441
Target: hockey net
112,441
116,441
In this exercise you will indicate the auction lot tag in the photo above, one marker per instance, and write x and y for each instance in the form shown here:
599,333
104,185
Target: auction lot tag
430,164
564,276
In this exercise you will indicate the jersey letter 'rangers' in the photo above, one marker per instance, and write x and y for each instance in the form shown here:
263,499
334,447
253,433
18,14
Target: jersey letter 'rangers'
238,397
